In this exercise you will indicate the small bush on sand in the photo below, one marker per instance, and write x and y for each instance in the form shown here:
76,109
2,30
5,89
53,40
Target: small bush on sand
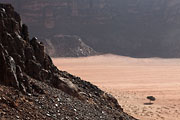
151,98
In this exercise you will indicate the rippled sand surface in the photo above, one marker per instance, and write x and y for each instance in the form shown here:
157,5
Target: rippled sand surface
131,80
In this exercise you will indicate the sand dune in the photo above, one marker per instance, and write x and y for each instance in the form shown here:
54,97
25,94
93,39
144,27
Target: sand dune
130,80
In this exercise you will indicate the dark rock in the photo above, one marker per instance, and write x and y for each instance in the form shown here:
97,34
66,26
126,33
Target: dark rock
11,72
29,53
33,69
8,69
18,60
66,85
45,74
111,100
38,48
37,89
25,33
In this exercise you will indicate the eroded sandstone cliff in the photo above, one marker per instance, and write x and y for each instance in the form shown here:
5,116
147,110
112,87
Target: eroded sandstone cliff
137,28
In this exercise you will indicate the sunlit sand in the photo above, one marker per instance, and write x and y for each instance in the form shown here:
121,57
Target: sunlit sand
131,80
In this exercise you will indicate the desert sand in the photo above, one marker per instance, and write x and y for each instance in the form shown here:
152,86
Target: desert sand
131,80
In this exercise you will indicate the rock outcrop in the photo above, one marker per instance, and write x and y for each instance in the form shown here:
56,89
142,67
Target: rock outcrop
67,46
137,28
33,88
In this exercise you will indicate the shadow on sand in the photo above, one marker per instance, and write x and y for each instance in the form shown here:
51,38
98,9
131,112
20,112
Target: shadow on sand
148,103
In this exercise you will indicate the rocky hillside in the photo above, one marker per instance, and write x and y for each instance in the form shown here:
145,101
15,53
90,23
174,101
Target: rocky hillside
137,28
31,87
67,46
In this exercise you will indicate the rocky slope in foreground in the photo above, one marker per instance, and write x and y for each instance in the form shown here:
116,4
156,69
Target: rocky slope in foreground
33,88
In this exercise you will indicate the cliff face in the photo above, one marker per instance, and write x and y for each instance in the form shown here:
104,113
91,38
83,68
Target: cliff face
31,87
138,28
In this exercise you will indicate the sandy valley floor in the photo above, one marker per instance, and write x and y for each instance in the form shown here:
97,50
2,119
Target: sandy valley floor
131,80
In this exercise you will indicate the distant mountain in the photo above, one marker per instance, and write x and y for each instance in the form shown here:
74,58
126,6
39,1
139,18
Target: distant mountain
67,46
137,28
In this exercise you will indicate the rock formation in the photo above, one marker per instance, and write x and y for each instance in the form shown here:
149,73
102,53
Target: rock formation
67,46
33,88
137,28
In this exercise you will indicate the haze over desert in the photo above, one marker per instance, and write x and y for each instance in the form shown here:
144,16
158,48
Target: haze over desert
131,80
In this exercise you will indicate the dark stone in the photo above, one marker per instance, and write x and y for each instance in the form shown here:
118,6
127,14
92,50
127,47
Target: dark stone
33,68
44,74
29,53
25,33
8,69
65,85
38,50
11,73
37,89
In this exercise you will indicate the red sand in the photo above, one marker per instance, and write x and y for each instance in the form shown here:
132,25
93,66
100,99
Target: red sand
131,80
